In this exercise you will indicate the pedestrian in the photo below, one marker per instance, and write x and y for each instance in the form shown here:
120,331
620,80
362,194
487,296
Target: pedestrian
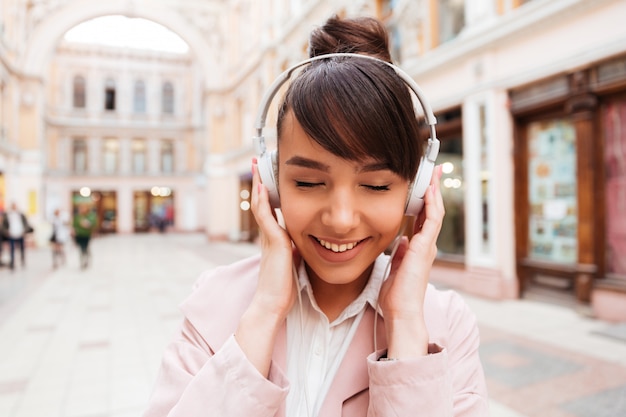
15,227
60,235
323,322
84,226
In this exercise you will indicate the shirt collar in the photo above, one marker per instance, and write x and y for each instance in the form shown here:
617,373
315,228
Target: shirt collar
369,295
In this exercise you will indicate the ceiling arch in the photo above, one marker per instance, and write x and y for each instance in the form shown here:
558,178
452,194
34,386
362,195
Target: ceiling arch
43,40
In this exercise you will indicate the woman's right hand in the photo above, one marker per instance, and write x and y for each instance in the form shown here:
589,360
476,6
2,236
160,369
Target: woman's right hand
276,289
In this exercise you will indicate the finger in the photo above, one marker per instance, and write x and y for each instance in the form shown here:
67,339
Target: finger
399,255
435,182
260,204
425,240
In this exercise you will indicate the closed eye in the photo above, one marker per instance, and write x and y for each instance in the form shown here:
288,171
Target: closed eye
377,187
304,184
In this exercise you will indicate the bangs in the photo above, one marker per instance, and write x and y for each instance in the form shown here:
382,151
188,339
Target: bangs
358,110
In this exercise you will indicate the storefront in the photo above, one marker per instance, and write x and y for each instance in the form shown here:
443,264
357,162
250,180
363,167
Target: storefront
570,180
104,203
153,209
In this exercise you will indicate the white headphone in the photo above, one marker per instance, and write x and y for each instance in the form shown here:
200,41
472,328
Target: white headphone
268,165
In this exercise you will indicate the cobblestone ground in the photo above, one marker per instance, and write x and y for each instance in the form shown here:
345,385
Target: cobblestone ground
80,343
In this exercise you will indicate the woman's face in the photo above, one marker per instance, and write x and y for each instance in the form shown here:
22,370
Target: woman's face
340,214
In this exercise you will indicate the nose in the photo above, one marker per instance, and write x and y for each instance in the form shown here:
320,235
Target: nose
341,213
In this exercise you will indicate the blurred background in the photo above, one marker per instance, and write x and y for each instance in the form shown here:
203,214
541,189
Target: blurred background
143,111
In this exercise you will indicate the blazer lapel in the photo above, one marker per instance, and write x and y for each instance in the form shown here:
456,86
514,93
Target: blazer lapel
352,376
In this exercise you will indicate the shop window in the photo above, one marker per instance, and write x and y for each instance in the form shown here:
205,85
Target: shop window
109,94
451,19
139,156
552,192
167,156
614,115
110,153
153,209
139,97
78,93
167,99
79,155
451,240
102,203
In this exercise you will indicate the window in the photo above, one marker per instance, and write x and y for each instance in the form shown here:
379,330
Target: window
451,19
167,99
139,156
167,156
78,96
451,240
79,155
552,191
110,154
109,95
139,97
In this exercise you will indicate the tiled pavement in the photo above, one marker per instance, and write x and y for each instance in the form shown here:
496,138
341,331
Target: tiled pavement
88,343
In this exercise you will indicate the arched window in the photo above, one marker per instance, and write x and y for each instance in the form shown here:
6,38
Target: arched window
167,98
109,94
139,98
78,94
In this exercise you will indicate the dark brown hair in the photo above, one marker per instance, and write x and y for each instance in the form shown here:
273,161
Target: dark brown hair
355,108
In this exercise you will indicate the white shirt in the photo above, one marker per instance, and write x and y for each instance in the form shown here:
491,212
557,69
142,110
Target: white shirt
61,228
315,347
16,225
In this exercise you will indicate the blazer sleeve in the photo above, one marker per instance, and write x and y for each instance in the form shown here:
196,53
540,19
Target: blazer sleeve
194,382
448,382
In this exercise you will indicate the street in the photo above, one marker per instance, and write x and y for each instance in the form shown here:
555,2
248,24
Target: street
79,343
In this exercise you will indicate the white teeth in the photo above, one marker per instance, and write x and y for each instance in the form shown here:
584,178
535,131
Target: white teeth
337,248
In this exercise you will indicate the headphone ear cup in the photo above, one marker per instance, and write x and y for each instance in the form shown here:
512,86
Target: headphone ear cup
415,202
268,173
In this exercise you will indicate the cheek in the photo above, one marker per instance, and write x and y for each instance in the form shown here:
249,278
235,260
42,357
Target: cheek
387,218
297,212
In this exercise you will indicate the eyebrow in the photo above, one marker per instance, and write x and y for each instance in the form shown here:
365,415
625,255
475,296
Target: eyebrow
313,164
307,163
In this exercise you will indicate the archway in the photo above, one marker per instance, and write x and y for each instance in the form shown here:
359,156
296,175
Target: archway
48,33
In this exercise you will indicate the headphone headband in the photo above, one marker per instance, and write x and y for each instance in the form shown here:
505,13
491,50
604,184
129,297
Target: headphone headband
282,79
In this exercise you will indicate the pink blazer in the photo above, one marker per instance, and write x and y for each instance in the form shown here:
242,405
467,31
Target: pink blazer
205,373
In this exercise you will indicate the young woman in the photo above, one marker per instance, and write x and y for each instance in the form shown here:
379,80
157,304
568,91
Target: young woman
313,326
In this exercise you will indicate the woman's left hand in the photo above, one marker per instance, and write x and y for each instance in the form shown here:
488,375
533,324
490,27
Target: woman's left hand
402,294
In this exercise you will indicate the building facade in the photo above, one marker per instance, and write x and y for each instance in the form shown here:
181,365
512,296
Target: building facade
124,132
529,98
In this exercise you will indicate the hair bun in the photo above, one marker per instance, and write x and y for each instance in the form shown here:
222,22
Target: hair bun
362,35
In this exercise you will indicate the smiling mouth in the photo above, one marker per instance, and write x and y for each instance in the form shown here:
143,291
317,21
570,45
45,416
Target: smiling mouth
338,248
